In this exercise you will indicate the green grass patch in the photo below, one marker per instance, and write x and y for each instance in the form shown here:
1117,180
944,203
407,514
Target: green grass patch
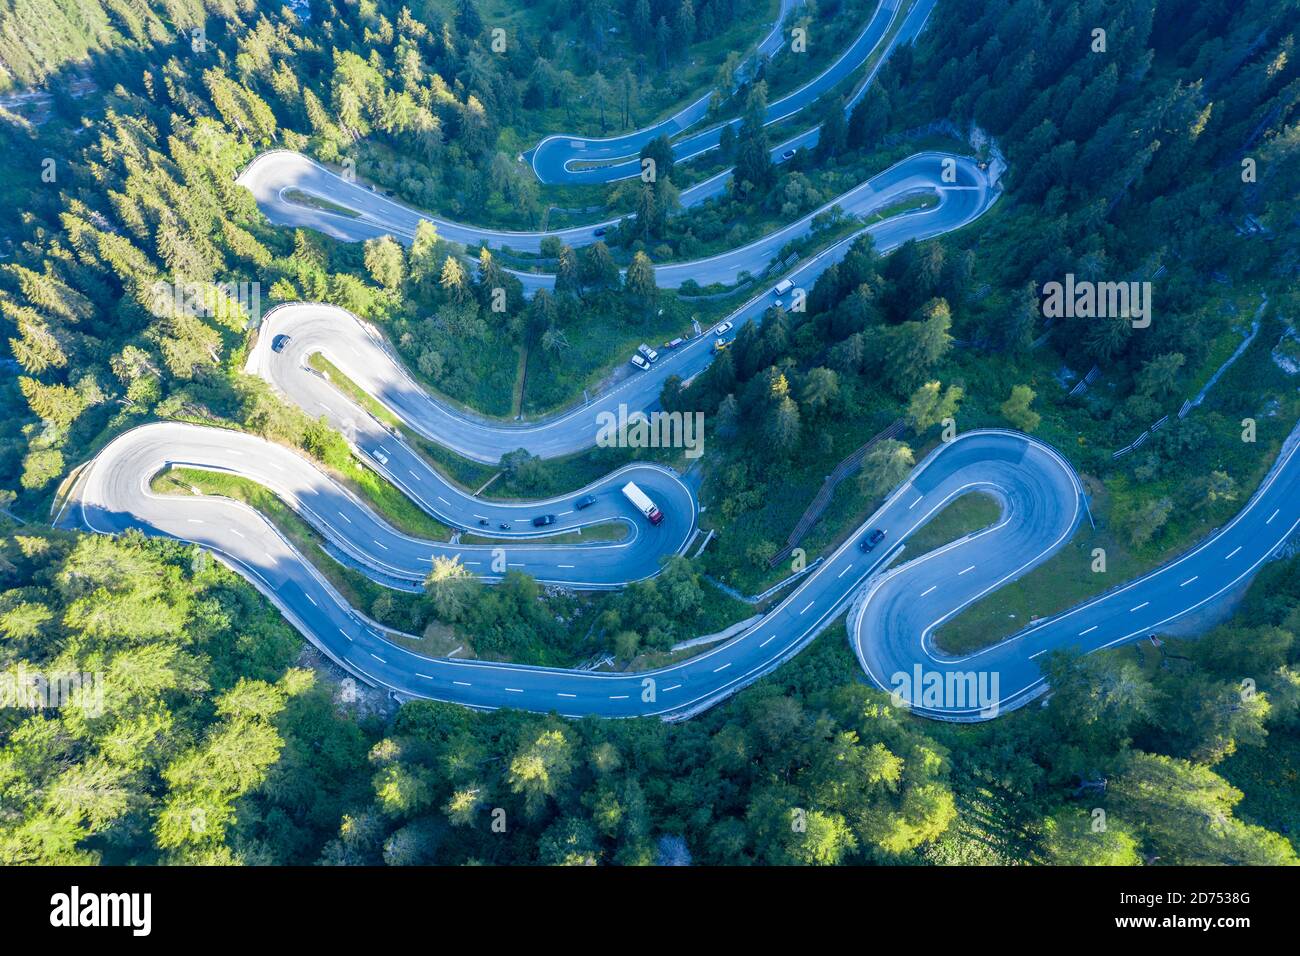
971,512
300,198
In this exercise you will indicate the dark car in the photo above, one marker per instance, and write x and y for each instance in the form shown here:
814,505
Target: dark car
541,521
600,232
586,501
870,541
279,342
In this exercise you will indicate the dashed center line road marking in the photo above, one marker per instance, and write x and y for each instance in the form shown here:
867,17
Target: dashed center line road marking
722,668
768,641
1272,516
425,676
1038,653
196,521
381,544
345,634
1139,607
1089,630
443,500
845,571
971,568
565,695
345,517
674,687
461,683
413,474
378,658
235,533
618,696
312,599
514,690
566,566
1189,580
915,503
810,604
1232,552
928,590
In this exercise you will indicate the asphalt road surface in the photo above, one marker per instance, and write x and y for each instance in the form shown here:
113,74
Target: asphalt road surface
894,614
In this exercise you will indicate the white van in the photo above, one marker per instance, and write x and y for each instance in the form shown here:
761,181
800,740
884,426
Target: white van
784,286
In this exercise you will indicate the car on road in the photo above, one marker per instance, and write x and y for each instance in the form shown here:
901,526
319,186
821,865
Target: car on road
639,362
599,232
719,345
650,354
675,343
788,154
380,457
782,287
586,501
724,328
279,342
541,521
870,541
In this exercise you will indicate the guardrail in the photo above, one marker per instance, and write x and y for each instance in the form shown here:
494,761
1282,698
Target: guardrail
823,497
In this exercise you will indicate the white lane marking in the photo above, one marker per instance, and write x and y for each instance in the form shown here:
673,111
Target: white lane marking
312,599
618,696
196,521
674,687
845,571
1043,651
413,474
515,564
971,568
345,517
565,695
1272,516
1139,607
928,590
378,658
563,513
722,668
235,533
425,676
1089,630
768,641
345,634
566,566
461,683
915,503
514,690
381,544
1231,553
810,604
1189,580
443,500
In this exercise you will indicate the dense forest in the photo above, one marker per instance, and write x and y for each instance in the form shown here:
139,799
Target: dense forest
1169,154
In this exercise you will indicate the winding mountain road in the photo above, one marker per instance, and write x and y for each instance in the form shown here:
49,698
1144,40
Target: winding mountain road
892,616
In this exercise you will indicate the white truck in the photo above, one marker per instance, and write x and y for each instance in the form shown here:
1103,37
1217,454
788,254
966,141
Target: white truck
642,503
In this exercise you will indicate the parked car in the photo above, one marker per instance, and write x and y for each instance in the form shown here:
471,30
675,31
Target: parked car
279,342
586,501
724,328
650,354
870,541
541,521
719,345
673,344
639,362
788,154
